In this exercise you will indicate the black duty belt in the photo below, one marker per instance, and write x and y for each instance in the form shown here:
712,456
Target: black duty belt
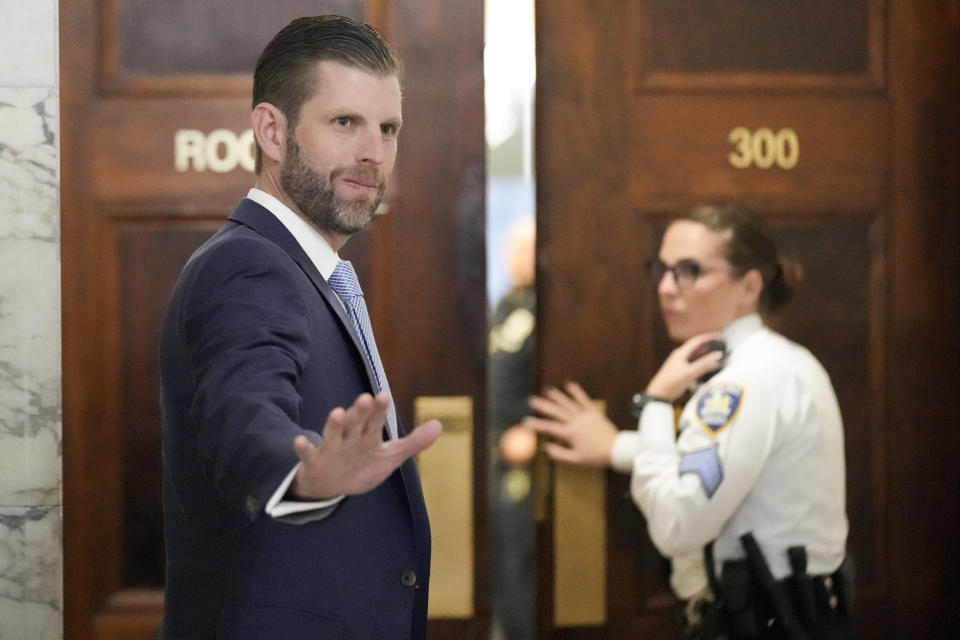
747,602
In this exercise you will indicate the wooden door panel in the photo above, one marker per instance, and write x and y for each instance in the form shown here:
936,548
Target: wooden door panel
136,164
198,47
747,35
815,152
758,45
133,152
149,254
179,39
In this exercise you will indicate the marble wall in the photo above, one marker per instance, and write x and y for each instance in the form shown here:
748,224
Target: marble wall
30,398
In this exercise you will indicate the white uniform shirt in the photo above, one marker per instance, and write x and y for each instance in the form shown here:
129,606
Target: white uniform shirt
760,449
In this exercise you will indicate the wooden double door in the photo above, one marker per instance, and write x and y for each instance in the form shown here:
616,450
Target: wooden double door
837,121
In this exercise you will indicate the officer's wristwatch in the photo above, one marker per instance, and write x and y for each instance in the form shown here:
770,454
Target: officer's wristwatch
641,399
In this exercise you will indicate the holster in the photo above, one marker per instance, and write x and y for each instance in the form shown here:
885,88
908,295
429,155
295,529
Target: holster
740,599
802,586
775,595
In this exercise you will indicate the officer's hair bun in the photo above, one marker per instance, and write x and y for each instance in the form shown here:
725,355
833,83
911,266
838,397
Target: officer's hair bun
786,277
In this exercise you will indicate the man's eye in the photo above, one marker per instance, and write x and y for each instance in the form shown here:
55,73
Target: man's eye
388,129
344,121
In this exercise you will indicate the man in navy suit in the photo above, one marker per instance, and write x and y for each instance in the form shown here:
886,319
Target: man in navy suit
292,507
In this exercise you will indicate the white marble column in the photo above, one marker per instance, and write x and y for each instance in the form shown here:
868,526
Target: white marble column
30,376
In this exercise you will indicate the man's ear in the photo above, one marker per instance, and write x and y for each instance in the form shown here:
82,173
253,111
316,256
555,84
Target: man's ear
270,129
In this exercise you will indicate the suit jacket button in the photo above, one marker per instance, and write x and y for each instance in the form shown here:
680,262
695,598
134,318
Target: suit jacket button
252,505
408,578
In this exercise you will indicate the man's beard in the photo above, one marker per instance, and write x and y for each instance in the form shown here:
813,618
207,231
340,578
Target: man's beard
314,195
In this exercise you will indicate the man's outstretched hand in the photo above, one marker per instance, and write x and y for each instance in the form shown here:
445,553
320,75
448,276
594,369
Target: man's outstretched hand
353,457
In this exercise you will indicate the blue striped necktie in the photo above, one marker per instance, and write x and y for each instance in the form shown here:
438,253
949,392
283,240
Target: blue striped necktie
344,282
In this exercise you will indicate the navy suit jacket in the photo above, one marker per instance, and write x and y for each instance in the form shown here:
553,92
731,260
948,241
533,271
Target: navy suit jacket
255,350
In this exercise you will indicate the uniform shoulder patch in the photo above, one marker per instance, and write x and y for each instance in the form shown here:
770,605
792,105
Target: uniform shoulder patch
718,406
706,464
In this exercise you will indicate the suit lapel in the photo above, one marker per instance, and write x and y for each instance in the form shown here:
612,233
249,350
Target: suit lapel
258,218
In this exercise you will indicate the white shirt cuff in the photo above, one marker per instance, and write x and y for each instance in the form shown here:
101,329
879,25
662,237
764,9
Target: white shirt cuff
657,424
277,507
626,446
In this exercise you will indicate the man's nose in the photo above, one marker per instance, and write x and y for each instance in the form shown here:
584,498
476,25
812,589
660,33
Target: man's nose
372,147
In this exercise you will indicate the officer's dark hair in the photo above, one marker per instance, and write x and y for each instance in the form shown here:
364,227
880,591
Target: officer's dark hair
750,246
285,74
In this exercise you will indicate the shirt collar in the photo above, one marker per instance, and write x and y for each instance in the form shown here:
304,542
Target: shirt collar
738,330
316,247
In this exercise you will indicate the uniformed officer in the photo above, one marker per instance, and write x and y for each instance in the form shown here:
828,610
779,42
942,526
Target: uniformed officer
751,476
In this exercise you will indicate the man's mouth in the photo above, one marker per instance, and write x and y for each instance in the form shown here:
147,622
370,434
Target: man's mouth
361,182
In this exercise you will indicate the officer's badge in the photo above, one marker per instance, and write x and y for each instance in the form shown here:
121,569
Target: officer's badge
718,405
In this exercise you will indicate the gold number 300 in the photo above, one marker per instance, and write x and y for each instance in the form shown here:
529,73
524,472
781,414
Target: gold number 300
764,148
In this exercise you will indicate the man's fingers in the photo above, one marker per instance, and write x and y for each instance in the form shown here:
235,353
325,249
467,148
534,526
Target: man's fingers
357,415
373,422
414,442
425,435
303,447
367,414
333,429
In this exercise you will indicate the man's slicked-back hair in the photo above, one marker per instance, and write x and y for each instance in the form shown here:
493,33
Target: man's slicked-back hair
285,74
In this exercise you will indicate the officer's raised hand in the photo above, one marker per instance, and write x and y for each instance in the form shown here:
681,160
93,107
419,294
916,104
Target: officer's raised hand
678,373
582,434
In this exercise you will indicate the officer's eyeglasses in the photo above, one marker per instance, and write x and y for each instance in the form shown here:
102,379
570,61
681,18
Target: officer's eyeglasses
685,272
